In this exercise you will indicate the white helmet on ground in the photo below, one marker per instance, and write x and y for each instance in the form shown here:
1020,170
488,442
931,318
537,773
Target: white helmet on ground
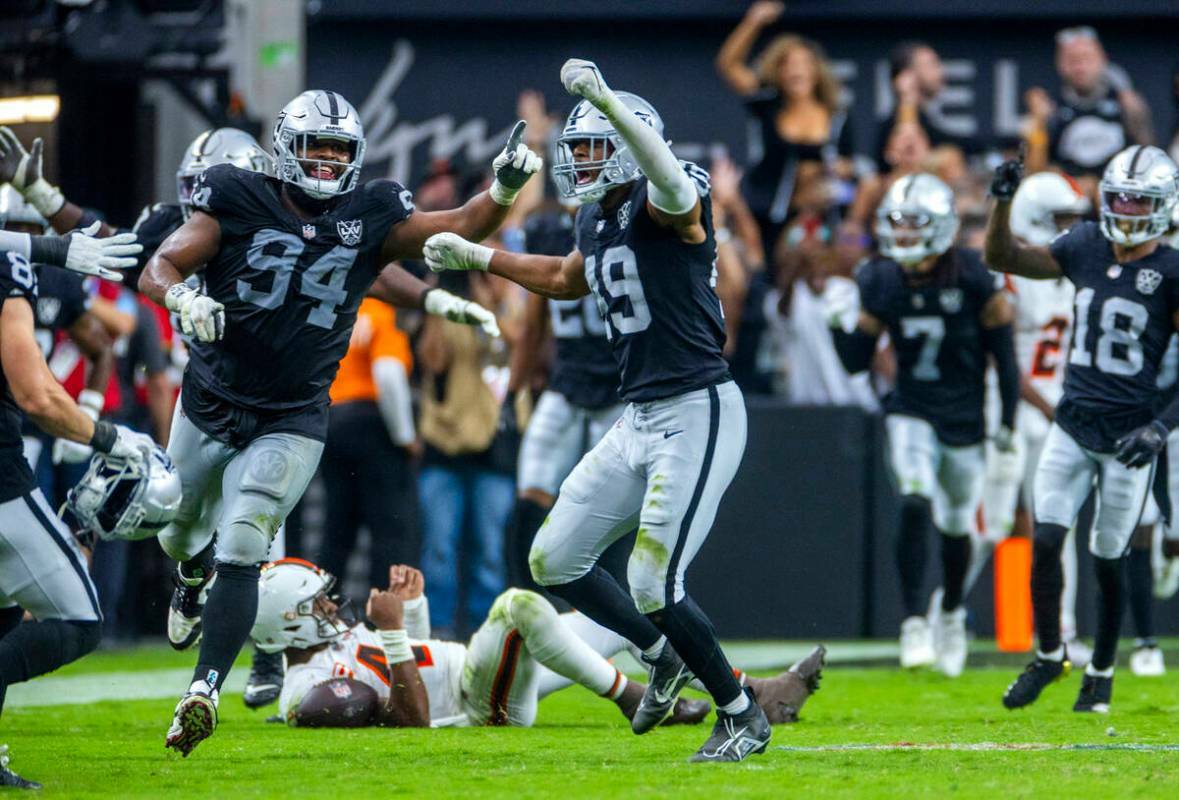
218,146
916,219
313,115
292,611
588,181
1139,190
15,211
1045,205
118,499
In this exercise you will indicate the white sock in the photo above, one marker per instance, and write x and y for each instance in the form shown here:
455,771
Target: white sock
654,650
1099,673
555,646
737,706
1053,655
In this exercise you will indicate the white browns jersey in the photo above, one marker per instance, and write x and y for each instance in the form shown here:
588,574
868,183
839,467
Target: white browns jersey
1043,318
358,655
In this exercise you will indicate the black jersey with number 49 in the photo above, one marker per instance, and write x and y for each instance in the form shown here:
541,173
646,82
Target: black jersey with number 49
934,326
18,283
583,370
657,295
290,287
1122,323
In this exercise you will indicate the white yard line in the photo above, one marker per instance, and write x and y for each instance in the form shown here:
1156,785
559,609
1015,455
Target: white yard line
976,747
81,689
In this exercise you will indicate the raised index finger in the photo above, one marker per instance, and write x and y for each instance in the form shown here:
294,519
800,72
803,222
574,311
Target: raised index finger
516,136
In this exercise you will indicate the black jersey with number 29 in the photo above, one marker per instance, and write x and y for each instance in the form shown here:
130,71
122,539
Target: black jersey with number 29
656,293
18,284
1122,323
290,287
935,330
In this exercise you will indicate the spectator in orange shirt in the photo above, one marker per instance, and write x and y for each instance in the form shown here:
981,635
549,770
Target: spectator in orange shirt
367,460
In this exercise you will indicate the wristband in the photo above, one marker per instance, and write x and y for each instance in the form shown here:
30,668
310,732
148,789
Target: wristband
45,197
502,194
396,646
105,436
91,400
173,296
49,250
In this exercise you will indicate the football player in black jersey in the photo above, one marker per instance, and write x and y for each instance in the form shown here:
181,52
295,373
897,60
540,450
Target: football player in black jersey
577,407
945,315
1105,431
286,261
645,248
42,569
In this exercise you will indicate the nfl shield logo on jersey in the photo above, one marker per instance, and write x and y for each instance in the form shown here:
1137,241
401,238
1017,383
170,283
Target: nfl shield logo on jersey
350,231
951,300
308,231
1147,280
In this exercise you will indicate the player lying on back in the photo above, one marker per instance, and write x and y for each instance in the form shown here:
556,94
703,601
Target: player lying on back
646,249
945,315
1104,432
343,674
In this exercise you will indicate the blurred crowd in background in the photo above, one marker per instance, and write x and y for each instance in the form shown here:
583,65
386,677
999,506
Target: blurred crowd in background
420,463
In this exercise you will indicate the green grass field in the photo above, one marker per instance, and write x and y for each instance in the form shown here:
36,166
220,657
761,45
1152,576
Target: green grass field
582,747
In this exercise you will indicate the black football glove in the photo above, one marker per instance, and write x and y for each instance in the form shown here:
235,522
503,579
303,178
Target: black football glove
1006,179
1139,447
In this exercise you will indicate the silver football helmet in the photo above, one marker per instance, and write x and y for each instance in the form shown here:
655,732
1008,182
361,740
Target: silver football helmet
218,146
295,607
916,219
119,499
1045,205
15,211
611,163
318,114
1139,190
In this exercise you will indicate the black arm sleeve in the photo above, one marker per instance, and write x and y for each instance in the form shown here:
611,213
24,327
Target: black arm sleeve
1000,343
855,349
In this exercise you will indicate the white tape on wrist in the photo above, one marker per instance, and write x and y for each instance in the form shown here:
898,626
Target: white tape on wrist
90,400
396,646
175,295
502,194
45,197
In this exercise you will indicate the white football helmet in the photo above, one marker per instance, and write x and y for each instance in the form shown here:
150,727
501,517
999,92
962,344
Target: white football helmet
15,211
291,612
119,499
916,219
317,114
1045,205
218,146
616,165
1139,190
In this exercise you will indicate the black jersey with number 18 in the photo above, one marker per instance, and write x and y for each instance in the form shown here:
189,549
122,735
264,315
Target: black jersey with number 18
291,287
656,293
1122,323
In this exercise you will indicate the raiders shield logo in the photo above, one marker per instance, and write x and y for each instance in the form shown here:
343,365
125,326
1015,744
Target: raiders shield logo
308,231
624,214
350,231
951,300
1147,280
47,310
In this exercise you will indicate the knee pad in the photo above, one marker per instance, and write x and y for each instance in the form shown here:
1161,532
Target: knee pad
646,572
244,542
182,543
546,571
526,610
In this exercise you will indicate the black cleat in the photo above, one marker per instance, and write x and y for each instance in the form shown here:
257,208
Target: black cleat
8,778
735,737
668,677
1026,688
184,612
1095,694
265,682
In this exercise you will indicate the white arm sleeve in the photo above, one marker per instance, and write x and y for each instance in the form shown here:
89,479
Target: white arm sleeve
17,242
671,189
393,399
417,618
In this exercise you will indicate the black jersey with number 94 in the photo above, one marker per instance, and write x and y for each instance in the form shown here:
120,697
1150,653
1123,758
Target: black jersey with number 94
290,287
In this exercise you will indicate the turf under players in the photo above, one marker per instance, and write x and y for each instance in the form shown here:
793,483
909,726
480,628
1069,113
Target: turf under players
1104,432
645,248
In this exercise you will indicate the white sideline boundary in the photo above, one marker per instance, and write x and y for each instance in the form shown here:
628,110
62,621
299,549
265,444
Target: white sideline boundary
977,747
96,687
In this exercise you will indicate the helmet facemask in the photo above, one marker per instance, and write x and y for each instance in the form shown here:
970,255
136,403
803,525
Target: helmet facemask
910,238
587,180
298,608
1131,218
119,499
310,174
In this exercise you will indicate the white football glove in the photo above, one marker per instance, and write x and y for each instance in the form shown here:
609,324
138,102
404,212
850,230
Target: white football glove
841,304
445,251
99,257
131,445
1005,460
582,78
513,167
66,451
444,304
22,168
201,316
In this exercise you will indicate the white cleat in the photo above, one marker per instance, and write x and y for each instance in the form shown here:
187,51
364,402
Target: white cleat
916,643
950,642
1079,653
1147,662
